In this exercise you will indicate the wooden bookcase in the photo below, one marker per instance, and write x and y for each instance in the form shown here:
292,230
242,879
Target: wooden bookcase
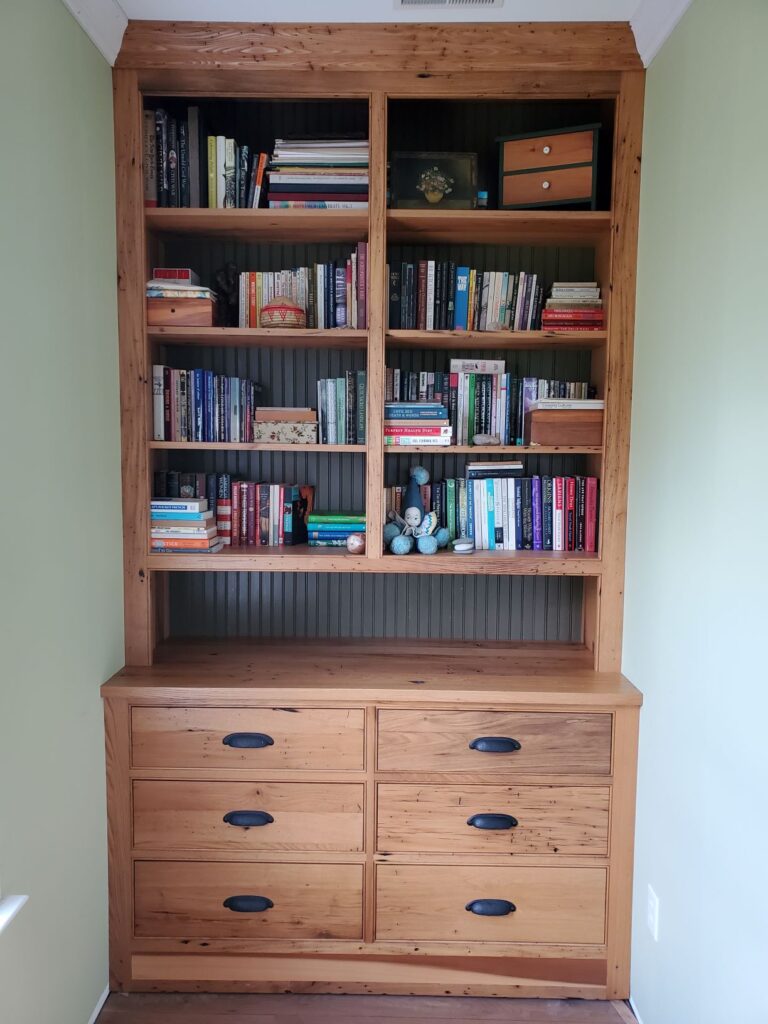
383,67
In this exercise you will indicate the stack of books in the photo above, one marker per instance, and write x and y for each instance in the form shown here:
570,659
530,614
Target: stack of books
342,408
574,306
434,295
319,173
183,524
200,405
332,530
410,424
177,283
185,166
333,294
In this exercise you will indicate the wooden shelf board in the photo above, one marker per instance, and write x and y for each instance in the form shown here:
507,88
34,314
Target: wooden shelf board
259,337
305,559
479,450
264,225
245,446
496,339
499,227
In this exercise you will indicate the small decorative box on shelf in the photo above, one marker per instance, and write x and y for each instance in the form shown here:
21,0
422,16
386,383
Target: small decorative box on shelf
285,432
180,312
556,168
564,427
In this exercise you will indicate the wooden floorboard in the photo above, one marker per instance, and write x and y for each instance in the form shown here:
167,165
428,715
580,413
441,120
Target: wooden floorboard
140,1008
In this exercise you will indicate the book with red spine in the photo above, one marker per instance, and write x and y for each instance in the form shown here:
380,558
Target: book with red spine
243,513
184,274
417,429
590,539
251,519
421,296
224,520
253,319
558,514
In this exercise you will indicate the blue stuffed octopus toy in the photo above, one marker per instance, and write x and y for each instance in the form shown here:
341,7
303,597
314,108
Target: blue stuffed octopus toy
415,528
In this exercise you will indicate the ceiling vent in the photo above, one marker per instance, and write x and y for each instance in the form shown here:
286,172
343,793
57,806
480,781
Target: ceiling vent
415,5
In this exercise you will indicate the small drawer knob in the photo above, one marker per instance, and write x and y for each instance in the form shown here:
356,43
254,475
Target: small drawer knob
545,185
547,150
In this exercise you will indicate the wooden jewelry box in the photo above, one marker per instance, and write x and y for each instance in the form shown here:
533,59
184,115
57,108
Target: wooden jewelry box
556,168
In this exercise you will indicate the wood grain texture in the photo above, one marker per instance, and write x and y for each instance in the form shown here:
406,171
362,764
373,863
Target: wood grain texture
552,904
498,227
303,738
186,899
558,185
555,820
154,1008
618,384
261,337
189,815
547,151
495,339
261,225
117,739
550,743
134,367
362,47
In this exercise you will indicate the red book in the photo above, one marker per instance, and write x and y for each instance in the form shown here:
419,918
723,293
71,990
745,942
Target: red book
417,431
175,274
243,513
251,519
573,314
235,528
590,538
558,514
570,513
421,297
362,286
319,197
224,519
252,319
570,326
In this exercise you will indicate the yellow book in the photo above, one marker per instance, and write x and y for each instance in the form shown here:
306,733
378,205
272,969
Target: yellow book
471,300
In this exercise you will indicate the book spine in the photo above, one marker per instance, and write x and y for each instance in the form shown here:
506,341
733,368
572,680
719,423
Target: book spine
547,513
590,538
538,542
161,152
174,198
149,164
263,498
158,404
421,296
570,514
362,285
429,298
212,187
362,410
184,164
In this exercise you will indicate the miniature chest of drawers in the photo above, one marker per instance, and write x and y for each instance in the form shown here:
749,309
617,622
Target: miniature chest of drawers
311,821
556,168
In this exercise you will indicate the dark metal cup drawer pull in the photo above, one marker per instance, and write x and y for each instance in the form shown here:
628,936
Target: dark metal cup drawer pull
248,740
492,821
491,908
248,819
495,744
248,904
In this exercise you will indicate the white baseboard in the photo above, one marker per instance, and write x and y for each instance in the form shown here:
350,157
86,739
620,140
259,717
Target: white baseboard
631,1002
99,1006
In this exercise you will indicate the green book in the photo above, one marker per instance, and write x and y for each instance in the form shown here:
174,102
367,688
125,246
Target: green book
450,507
471,408
337,517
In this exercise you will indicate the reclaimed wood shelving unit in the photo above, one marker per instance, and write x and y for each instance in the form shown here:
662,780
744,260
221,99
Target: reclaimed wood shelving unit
379,728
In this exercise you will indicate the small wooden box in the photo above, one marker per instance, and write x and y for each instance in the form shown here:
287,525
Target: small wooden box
180,312
557,168
564,427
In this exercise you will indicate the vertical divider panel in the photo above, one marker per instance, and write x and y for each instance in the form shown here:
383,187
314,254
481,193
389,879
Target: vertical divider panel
135,373
377,259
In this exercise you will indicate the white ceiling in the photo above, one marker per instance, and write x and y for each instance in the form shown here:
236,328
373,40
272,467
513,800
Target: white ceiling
105,20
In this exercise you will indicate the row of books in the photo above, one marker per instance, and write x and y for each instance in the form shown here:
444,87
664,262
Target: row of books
185,166
480,396
498,508
333,530
438,295
332,294
183,524
574,306
200,405
342,408
319,173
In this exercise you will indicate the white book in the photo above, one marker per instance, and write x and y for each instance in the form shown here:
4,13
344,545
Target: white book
531,303
520,296
179,505
330,403
242,306
221,171
509,487
477,366
158,404
480,518
498,514
430,295
461,430
567,403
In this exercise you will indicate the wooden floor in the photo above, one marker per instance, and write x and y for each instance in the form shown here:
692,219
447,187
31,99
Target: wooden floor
287,1009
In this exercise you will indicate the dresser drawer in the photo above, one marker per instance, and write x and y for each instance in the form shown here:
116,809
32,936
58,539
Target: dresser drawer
293,738
194,815
546,743
260,901
553,905
565,820
561,185
554,150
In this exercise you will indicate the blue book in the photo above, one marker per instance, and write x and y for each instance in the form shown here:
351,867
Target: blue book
197,419
491,517
340,527
191,517
420,411
470,509
461,307
329,534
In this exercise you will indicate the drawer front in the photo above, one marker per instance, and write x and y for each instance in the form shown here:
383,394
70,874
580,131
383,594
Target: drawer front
548,151
214,900
555,905
565,820
292,738
548,743
243,816
568,184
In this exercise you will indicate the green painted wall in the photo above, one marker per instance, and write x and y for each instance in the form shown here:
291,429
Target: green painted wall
697,571
61,591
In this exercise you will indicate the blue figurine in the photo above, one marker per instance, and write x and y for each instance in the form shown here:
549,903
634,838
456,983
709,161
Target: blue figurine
414,527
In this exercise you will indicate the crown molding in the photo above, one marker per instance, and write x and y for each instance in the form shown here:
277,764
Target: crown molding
652,24
103,21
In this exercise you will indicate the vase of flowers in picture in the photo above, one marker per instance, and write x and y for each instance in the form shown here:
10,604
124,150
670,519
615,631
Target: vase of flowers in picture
434,184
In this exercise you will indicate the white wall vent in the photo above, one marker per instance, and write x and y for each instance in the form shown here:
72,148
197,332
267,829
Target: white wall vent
414,5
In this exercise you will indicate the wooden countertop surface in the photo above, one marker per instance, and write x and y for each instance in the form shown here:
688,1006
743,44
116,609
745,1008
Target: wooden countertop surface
380,671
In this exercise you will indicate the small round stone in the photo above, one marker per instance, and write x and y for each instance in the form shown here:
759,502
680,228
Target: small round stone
356,543
463,546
